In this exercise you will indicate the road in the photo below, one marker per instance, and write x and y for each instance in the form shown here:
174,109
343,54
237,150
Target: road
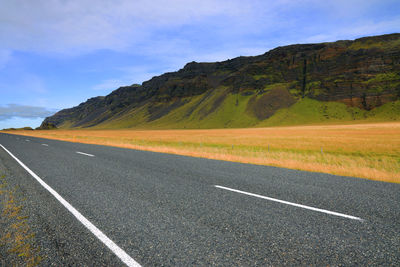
172,210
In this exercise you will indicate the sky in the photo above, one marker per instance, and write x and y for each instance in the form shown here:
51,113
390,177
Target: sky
55,54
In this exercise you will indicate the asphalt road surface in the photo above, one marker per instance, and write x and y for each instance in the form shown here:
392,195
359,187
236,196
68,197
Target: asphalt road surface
135,207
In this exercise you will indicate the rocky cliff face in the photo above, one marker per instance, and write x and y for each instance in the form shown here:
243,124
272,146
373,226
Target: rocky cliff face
363,73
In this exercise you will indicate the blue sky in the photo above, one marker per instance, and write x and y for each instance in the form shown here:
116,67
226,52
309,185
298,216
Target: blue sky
55,54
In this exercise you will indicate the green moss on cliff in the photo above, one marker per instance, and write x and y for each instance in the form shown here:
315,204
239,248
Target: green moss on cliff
369,43
384,77
234,93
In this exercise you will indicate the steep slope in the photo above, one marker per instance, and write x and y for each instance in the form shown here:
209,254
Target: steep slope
247,91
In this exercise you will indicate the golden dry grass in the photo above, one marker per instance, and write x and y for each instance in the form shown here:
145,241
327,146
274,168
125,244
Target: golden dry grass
369,151
16,235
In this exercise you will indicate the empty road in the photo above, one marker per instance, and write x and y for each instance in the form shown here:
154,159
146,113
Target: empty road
97,205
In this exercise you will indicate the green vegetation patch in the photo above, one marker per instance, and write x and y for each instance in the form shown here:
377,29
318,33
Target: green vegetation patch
260,76
231,114
309,111
131,119
220,109
387,112
384,77
276,86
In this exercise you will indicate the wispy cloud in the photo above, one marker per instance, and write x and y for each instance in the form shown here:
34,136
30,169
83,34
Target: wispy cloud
129,75
81,26
33,83
362,29
137,74
5,57
109,84
25,83
22,111
184,28
84,25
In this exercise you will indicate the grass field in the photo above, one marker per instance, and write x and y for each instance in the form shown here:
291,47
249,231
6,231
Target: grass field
369,151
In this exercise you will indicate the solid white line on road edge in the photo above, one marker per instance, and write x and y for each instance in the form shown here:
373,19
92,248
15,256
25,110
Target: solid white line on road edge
45,145
90,155
120,253
292,204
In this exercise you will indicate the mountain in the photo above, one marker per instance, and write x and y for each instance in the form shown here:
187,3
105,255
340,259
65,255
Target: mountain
295,84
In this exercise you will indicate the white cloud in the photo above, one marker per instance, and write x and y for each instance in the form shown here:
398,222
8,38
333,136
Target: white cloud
24,111
83,25
77,27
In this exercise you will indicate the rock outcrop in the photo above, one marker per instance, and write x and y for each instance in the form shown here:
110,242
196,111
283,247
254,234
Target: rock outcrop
363,73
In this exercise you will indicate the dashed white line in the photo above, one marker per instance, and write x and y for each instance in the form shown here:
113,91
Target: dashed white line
119,252
27,140
291,203
45,145
86,154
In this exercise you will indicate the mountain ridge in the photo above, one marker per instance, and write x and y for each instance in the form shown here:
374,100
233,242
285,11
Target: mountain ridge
363,75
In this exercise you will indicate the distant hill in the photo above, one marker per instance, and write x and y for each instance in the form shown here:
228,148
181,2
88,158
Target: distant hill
295,84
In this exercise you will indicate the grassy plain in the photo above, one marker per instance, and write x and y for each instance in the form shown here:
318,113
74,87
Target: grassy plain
369,151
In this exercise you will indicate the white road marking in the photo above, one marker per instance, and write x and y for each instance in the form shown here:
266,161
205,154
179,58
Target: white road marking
27,140
292,204
45,145
86,154
119,252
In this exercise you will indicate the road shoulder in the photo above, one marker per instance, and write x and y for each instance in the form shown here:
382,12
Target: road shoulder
57,238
